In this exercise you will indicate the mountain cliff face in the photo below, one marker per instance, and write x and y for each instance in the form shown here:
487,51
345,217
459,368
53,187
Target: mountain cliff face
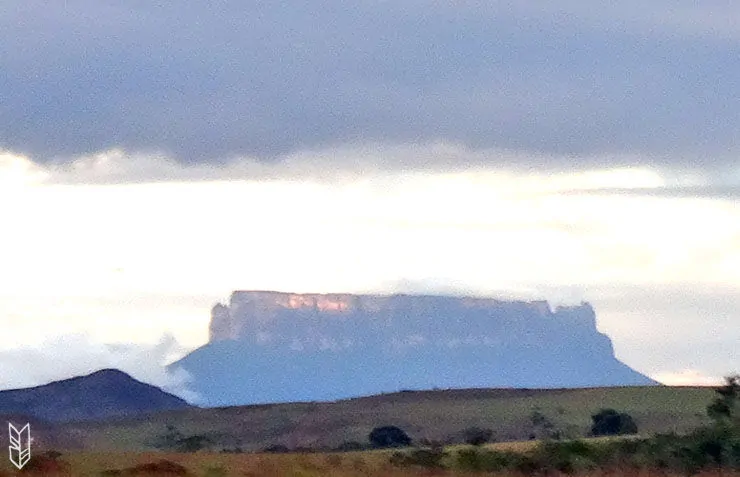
272,347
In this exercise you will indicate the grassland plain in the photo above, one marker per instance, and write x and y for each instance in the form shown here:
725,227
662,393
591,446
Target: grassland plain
439,415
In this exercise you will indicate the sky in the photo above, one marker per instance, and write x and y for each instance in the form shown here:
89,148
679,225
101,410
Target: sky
156,156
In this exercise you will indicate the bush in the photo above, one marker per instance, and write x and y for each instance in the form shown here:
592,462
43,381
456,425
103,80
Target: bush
566,456
609,422
233,450
477,436
389,436
434,443
705,448
486,461
428,458
276,449
192,443
168,440
305,450
173,440
350,446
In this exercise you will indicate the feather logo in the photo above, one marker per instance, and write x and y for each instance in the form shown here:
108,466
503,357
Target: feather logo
20,445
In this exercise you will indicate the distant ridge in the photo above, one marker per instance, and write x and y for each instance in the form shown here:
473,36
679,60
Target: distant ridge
268,347
102,394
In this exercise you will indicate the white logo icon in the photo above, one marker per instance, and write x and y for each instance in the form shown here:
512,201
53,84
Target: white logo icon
20,445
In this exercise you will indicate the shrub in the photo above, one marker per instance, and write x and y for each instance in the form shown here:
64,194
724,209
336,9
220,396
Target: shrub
173,440
426,442
543,426
305,450
480,460
428,458
389,436
350,446
276,449
167,440
192,443
609,422
477,436
398,459
233,450
566,456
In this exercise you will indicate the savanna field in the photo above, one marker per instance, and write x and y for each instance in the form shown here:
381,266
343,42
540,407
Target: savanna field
368,464
616,445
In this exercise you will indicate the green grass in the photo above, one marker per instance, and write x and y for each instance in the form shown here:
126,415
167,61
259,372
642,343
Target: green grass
435,415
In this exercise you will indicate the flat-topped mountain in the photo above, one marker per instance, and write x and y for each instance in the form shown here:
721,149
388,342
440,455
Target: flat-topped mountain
102,394
270,346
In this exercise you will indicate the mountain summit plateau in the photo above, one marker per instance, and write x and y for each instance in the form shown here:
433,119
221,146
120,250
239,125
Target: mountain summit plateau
268,346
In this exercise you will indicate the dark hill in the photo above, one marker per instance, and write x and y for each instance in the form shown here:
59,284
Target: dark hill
281,347
102,394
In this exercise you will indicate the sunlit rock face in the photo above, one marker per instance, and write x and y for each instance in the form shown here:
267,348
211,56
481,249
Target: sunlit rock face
271,346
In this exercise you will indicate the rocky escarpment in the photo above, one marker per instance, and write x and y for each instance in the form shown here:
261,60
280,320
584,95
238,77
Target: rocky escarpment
253,312
270,346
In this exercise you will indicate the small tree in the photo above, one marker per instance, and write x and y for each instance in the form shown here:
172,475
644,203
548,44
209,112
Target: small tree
389,436
609,422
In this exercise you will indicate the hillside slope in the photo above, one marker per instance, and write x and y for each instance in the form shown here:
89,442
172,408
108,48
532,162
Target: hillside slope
102,394
438,415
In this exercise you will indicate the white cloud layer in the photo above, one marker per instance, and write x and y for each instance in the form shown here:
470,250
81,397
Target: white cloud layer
688,377
89,250
70,355
345,164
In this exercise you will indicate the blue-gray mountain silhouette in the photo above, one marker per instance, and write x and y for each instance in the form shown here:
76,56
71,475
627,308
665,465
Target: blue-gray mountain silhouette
102,394
277,347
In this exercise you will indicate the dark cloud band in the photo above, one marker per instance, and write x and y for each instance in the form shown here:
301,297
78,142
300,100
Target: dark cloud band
210,81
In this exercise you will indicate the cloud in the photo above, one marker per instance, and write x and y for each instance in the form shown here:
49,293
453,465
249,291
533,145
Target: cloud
708,191
340,164
575,84
687,377
76,354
